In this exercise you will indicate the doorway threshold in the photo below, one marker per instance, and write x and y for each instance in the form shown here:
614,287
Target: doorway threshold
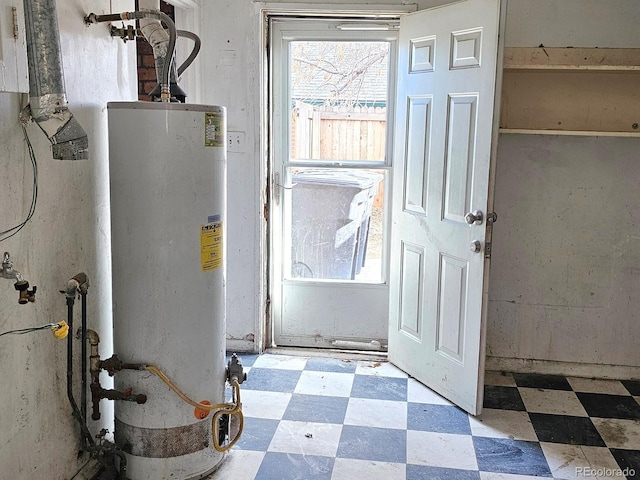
339,354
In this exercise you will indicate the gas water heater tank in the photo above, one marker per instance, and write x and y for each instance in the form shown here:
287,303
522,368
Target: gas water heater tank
167,165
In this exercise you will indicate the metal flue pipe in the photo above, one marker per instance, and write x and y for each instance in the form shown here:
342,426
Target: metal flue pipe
163,45
47,96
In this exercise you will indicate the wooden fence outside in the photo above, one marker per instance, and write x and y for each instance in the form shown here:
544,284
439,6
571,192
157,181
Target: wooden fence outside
357,134
319,133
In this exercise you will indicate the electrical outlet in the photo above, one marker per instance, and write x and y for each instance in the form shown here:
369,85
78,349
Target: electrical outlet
235,142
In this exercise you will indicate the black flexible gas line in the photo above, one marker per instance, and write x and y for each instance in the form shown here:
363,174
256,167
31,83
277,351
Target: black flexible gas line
194,52
103,451
83,401
85,435
123,464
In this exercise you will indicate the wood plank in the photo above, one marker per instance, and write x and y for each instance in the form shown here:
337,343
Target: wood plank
573,133
353,116
316,136
572,58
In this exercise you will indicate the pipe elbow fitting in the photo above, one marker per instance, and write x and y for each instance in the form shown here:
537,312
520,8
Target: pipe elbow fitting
91,18
76,284
83,282
93,337
71,288
70,142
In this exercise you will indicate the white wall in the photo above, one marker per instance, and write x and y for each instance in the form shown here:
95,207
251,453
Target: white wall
526,318
564,277
573,23
230,77
566,252
69,233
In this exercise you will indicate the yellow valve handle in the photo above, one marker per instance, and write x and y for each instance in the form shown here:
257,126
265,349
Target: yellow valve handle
60,330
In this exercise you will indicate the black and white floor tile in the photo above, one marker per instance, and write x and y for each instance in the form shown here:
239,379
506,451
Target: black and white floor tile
310,418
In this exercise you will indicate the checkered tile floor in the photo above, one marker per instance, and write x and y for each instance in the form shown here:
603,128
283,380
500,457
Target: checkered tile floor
331,419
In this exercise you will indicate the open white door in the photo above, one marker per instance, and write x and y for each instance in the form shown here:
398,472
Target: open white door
443,143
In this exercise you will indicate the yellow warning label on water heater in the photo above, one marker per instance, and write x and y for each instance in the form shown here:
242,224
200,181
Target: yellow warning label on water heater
211,246
214,129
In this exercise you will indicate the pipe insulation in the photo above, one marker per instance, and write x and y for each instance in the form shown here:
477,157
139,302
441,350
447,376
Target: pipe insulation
47,96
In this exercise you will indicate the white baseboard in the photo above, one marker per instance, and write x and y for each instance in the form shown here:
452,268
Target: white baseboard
569,369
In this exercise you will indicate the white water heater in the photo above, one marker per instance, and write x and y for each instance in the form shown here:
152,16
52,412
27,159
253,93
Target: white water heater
168,190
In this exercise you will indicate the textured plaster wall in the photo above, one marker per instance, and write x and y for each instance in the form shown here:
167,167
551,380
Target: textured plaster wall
564,277
69,233
566,250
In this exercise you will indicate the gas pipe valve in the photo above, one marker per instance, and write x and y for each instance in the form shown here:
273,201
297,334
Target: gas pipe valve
234,369
26,295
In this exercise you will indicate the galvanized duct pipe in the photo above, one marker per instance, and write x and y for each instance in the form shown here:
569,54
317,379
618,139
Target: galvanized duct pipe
47,98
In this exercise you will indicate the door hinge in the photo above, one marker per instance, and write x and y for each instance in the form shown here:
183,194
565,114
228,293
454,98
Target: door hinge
275,189
265,211
14,11
267,313
487,250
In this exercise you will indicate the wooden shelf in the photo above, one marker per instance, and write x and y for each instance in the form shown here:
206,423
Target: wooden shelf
595,59
592,90
573,133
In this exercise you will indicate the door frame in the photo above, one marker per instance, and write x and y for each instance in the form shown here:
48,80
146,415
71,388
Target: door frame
265,335
326,310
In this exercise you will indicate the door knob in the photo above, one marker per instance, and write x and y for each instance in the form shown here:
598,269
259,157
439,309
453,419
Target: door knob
474,217
475,246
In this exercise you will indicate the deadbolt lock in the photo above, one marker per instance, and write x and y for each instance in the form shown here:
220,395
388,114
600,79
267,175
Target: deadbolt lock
475,246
